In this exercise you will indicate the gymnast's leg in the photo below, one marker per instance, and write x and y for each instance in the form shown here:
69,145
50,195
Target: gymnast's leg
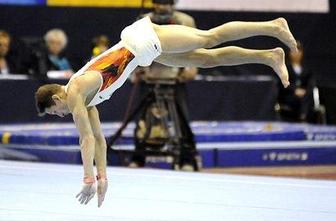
179,39
228,56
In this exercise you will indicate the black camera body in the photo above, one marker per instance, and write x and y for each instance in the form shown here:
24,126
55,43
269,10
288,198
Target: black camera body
161,19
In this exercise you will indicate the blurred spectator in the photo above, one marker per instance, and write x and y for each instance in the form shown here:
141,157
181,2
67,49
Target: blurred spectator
296,102
4,48
100,44
49,57
10,60
165,13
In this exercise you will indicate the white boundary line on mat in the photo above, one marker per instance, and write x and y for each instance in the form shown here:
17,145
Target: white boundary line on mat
200,146
254,145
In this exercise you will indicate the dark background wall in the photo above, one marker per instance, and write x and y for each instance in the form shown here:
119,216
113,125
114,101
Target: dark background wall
317,32
208,100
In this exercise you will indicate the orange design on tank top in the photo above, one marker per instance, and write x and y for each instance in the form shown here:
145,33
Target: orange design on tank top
112,65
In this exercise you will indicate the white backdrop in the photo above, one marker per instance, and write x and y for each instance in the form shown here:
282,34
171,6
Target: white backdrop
311,6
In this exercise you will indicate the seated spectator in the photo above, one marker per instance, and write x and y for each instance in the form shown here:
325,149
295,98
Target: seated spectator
100,44
10,60
296,101
49,57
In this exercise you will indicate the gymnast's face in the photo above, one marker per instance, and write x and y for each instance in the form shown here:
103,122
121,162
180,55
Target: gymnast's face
60,108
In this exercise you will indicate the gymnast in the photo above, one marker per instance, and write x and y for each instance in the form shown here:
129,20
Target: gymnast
142,43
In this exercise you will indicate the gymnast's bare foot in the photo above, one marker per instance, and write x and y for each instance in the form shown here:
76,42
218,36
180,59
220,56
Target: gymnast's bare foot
279,66
284,34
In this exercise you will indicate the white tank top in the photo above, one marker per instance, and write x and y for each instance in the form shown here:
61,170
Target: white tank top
114,66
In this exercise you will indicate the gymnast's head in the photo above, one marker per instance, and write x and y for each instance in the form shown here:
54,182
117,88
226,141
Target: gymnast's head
51,99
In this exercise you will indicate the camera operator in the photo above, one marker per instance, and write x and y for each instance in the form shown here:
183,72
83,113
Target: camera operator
165,13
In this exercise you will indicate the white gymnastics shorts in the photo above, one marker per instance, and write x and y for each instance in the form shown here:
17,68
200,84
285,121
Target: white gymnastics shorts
141,39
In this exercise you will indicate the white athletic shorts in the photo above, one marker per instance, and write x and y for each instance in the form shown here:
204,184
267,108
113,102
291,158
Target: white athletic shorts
141,39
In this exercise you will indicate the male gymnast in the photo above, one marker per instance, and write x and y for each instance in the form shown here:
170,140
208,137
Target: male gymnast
142,43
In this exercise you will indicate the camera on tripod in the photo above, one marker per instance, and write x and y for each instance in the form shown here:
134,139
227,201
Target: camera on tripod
162,128
159,120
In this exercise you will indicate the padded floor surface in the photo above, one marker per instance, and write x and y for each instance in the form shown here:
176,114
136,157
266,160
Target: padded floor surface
46,192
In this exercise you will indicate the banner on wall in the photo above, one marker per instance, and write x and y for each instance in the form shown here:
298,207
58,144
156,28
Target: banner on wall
23,2
305,6
100,3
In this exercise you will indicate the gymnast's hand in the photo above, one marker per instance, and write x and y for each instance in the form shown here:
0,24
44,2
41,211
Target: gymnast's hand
101,190
87,193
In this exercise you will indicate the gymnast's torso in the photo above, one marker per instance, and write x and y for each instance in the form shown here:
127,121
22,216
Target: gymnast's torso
139,45
114,66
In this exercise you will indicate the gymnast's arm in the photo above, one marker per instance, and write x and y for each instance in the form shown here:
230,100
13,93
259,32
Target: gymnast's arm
100,153
76,104
100,143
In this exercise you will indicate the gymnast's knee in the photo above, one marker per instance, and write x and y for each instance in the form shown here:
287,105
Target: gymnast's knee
211,39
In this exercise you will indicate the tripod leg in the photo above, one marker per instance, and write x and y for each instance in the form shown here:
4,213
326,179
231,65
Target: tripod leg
174,117
111,140
144,102
188,146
